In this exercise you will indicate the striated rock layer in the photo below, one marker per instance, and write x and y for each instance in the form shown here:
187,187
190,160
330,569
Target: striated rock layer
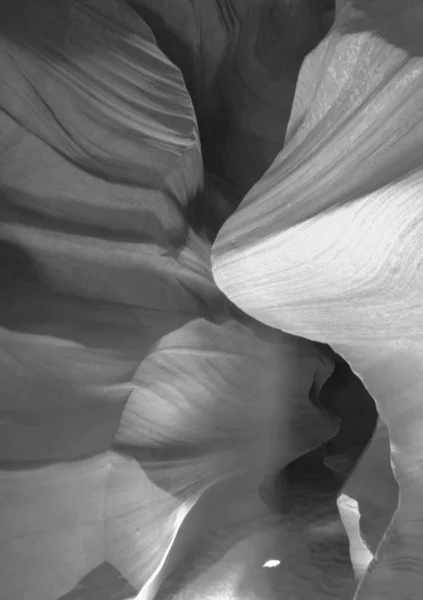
136,403
240,60
328,244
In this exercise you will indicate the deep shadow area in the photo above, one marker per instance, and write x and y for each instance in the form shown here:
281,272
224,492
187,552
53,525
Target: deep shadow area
240,60
313,481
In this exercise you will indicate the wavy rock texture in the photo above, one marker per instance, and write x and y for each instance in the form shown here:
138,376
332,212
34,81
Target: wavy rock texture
136,402
240,61
328,245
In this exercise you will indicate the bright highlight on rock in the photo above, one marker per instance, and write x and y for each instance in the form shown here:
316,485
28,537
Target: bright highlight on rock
272,563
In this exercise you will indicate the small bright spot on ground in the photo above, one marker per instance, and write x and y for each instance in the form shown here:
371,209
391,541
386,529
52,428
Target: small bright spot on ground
272,563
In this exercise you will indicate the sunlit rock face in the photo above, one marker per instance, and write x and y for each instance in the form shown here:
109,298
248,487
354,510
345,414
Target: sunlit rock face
137,404
373,485
328,245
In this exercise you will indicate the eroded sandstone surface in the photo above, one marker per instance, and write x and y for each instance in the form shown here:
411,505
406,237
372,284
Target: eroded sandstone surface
155,440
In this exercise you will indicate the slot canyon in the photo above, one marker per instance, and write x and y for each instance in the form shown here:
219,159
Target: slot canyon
211,317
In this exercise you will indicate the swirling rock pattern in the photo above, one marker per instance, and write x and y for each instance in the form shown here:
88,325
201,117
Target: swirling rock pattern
328,245
132,392
240,61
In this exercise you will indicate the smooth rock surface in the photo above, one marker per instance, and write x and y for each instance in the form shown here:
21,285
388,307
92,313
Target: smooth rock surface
130,387
328,245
